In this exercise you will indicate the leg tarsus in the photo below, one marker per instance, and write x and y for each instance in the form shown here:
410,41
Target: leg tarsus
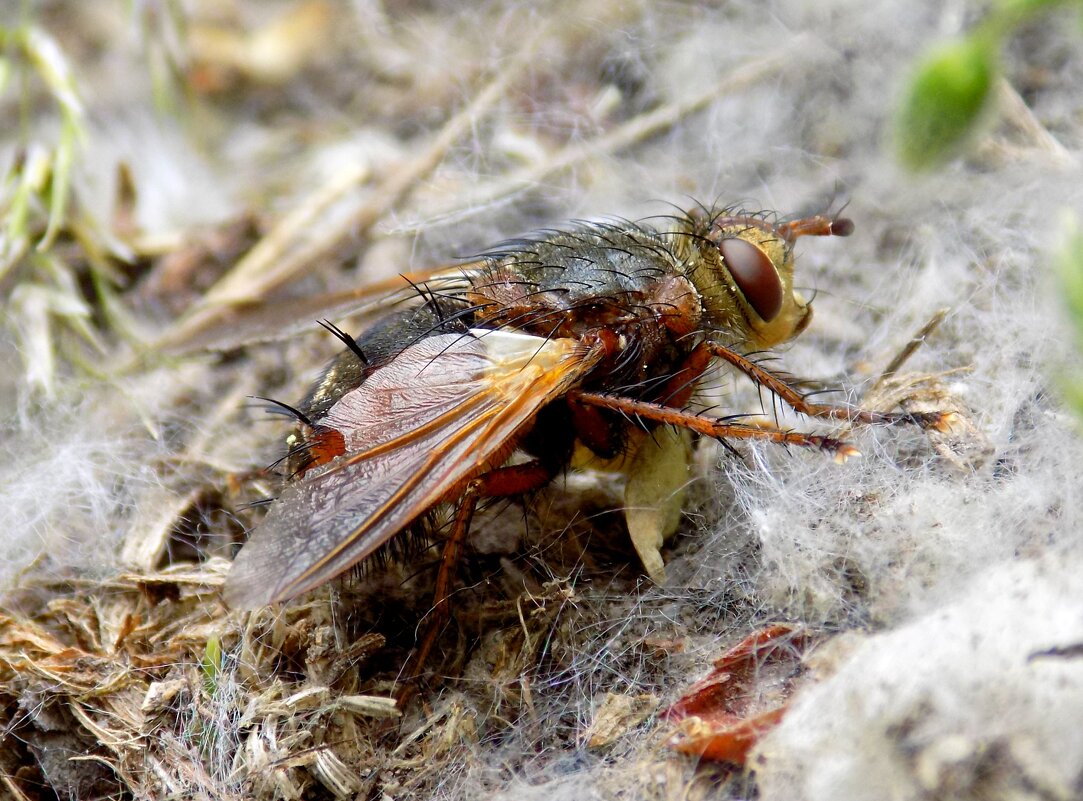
717,429
799,403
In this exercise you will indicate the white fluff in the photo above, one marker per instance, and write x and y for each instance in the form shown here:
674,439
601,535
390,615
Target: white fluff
953,579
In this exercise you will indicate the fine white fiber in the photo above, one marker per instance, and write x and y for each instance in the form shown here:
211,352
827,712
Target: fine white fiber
974,699
940,571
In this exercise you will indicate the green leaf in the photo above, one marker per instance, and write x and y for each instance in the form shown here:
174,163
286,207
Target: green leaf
62,169
1069,262
1069,267
5,71
946,100
211,665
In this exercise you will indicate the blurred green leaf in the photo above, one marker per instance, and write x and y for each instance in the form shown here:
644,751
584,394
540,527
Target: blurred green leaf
62,168
55,71
946,100
1072,388
20,192
1069,263
1069,267
51,65
1018,10
211,665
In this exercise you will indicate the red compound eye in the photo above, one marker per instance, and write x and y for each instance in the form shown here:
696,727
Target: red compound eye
754,275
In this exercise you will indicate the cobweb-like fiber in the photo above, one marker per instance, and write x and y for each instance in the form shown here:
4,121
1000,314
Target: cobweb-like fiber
946,569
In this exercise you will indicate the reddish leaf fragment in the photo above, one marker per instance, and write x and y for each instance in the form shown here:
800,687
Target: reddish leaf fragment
723,716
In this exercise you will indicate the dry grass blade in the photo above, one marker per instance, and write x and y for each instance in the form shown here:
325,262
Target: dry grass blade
224,320
910,348
288,249
635,130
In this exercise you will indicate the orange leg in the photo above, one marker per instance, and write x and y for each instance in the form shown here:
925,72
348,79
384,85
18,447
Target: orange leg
797,402
502,482
714,428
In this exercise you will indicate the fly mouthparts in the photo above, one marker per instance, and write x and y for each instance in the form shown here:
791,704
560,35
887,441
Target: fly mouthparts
816,226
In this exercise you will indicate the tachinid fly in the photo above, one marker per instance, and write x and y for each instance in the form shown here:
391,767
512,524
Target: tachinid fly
581,338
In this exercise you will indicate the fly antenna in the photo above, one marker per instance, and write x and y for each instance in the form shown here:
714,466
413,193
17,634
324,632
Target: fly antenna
818,225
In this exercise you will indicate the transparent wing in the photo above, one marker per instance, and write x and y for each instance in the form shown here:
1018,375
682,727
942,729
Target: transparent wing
439,414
